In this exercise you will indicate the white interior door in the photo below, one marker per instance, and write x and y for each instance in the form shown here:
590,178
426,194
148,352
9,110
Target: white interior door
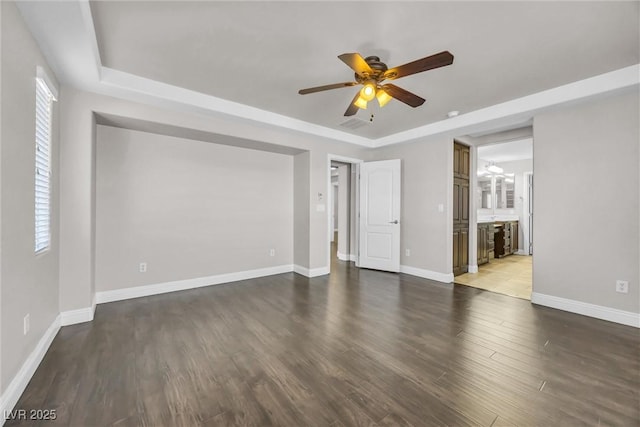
380,215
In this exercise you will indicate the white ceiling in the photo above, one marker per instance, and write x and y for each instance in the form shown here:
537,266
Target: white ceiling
507,152
261,53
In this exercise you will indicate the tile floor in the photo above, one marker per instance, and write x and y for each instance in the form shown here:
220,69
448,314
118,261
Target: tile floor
511,275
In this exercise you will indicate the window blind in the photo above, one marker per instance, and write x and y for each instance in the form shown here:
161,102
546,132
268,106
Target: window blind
44,101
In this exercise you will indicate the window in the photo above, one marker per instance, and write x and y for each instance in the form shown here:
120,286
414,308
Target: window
44,102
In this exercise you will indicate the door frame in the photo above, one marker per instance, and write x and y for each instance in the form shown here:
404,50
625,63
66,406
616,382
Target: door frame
354,163
526,225
473,209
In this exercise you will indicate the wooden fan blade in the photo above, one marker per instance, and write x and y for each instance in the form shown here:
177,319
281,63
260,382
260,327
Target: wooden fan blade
352,107
357,64
438,60
325,87
403,95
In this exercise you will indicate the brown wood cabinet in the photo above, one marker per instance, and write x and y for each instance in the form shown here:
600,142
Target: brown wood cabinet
461,167
461,161
460,251
506,238
514,236
485,242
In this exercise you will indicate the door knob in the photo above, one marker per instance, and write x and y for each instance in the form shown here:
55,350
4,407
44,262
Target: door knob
393,222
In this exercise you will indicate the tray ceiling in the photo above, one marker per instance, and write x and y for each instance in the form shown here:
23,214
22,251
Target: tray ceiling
260,53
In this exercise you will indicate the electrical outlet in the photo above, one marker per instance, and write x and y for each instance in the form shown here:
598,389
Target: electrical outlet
407,252
143,267
272,252
622,286
26,324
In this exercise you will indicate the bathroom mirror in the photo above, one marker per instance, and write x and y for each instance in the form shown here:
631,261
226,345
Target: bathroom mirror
509,184
501,192
496,191
484,192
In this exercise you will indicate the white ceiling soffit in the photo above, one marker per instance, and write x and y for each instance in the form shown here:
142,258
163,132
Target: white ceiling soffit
192,134
67,36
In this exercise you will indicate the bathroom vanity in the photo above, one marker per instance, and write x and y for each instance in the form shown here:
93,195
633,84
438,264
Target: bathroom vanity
496,239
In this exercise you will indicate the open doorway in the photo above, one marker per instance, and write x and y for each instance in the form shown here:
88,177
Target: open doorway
342,209
368,213
502,203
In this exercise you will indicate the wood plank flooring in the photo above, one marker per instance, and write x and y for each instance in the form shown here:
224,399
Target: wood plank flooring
358,348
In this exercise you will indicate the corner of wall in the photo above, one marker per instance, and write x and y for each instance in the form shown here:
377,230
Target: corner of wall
301,209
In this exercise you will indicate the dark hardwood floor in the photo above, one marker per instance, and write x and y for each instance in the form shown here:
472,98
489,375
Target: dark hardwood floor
359,348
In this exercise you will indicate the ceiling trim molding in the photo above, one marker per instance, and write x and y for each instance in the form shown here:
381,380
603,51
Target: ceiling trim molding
143,89
525,106
518,110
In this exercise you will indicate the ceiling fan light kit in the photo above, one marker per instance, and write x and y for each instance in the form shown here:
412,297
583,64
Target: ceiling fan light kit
360,103
368,91
383,98
370,72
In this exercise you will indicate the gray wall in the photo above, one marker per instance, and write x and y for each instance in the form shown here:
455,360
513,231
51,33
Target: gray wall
427,180
353,220
29,282
586,202
77,203
301,208
187,208
344,201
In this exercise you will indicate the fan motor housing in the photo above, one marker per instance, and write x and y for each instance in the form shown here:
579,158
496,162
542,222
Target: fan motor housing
376,65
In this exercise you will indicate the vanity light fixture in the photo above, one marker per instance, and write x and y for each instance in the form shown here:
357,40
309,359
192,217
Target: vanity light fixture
494,169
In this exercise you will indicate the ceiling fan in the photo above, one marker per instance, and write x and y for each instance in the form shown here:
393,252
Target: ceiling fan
371,72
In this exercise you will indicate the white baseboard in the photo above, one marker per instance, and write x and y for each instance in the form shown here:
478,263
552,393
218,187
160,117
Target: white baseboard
180,285
81,315
592,310
521,252
346,257
427,274
17,385
313,272
473,268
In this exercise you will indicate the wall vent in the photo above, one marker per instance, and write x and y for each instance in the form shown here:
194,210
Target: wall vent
354,123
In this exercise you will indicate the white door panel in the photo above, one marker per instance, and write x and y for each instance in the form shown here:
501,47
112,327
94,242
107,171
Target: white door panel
380,215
